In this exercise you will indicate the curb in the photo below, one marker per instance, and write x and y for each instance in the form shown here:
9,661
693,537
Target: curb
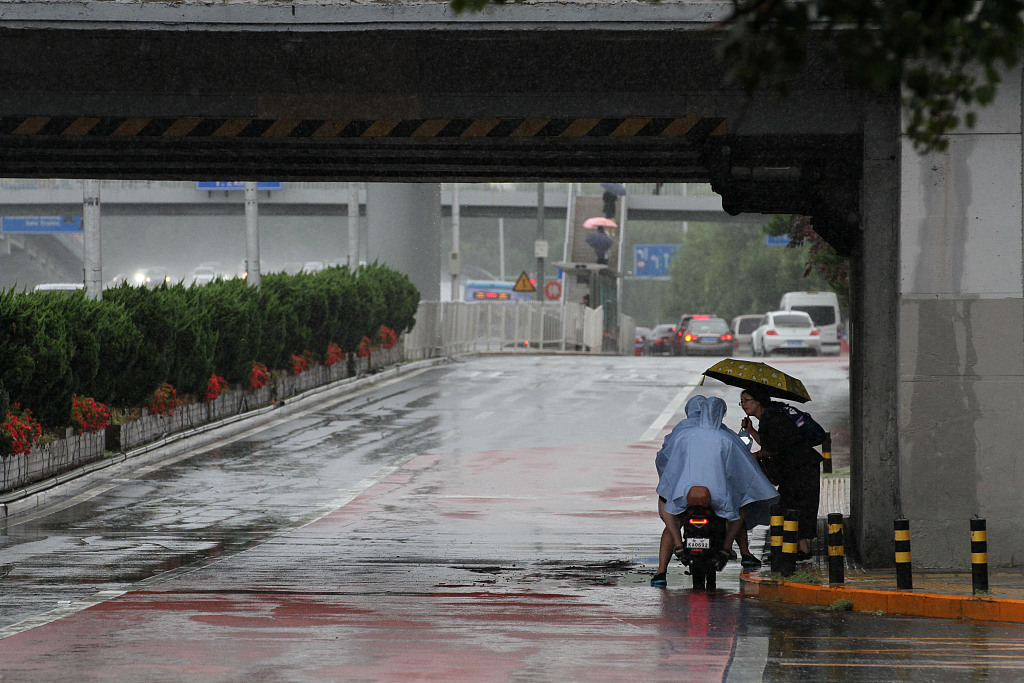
42,493
931,605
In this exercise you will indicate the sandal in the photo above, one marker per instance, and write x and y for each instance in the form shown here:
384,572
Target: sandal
659,580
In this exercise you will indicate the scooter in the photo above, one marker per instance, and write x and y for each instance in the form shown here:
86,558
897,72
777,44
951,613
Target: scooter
703,535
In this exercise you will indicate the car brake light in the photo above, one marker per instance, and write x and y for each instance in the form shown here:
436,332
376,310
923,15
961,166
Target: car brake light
771,333
698,521
839,333
726,337
815,332
701,317
679,333
688,338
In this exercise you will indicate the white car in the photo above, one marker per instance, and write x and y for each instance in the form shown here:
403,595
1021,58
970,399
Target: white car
786,332
743,327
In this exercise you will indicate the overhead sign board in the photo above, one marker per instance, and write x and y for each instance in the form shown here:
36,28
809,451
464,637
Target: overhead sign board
227,185
653,260
40,224
777,240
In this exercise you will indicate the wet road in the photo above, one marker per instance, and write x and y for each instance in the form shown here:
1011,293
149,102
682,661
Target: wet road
484,520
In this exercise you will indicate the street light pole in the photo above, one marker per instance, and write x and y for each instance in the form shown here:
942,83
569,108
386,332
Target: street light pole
252,236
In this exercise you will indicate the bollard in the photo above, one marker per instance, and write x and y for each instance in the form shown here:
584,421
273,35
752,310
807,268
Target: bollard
826,452
979,556
836,553
904,580
790,540
776,536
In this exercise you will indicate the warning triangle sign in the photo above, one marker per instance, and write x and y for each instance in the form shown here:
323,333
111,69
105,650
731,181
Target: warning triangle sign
523,284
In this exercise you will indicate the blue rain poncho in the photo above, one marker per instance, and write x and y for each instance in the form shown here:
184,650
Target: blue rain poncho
701,451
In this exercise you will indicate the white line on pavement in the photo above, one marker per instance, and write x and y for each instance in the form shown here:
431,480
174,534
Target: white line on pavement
655,429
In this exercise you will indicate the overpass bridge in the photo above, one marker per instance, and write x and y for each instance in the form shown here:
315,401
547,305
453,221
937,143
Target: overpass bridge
553,91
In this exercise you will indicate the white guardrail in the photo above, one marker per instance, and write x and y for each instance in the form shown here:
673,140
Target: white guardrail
445,328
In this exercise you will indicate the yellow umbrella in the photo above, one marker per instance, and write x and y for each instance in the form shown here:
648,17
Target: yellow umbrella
748,374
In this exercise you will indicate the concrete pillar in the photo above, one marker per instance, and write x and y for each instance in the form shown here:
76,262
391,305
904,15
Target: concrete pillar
91,252
353,225
252,236
874,368
404,232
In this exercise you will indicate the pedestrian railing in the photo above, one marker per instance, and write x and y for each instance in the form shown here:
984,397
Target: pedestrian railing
63,455
446,328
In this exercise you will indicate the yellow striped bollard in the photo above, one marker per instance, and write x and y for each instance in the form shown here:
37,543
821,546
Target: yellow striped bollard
776,539
904,580
836,553
979,556
790,541
826,452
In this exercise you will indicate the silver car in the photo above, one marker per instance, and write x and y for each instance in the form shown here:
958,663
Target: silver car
786,332
743,327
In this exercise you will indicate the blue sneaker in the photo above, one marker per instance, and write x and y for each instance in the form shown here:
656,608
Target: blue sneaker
659,580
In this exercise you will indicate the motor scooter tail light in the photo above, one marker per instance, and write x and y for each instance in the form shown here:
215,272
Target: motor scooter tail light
698,521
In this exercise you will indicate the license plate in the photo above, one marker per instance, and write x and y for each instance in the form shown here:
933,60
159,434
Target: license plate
795,342
708,340
698,543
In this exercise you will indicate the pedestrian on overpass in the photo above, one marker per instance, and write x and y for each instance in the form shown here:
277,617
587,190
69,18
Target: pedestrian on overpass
601,242
701,451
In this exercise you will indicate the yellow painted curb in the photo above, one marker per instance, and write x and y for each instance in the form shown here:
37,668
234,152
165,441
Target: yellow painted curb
933,605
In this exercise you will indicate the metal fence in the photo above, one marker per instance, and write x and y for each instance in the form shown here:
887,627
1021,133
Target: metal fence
445,328
56,457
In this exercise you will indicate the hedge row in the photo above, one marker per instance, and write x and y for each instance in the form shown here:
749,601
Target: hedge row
118,350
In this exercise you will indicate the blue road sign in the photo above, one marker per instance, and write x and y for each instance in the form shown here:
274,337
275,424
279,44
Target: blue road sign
224,185
776,240
40,224
653,260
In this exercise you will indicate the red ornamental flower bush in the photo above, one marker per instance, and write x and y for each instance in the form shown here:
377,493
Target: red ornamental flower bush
387,337
334,354
164,400
259,376
300,363
22,429
364,347
89,414
214,386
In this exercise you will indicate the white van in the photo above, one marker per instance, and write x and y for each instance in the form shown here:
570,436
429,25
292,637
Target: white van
823,307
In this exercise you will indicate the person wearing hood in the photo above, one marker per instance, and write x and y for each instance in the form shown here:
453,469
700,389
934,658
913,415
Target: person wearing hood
701,451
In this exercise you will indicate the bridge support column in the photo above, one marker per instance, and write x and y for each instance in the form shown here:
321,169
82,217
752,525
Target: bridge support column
404,232
874,365
91,253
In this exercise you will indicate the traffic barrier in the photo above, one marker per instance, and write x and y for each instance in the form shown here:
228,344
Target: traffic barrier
836,553
776,537
826,453
790,542
979,556
901,528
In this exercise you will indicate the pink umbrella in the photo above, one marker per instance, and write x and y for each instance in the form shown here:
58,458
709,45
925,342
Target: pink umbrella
599,221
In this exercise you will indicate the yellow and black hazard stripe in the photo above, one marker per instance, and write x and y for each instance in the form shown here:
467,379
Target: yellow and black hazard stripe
692,126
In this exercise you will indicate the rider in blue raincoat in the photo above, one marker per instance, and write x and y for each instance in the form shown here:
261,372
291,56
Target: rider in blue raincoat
701,451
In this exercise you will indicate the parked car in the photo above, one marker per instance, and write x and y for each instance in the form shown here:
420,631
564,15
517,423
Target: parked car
681,327
743,327
639,339
660,340
706,336
786,332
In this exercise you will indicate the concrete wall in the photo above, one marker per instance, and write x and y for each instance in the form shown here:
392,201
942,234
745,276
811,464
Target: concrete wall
962,339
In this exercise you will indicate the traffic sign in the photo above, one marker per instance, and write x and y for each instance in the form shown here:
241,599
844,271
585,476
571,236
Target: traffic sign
225,185
523,284
40,224
653,260
553,289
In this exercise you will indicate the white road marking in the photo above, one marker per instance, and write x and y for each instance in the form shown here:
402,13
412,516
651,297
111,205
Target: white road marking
655,429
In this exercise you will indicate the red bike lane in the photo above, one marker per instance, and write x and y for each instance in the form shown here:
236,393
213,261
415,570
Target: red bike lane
499,565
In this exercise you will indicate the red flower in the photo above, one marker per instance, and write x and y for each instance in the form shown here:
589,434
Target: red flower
387,336
164,400
89,414
364,347
259,376
300,363
334,354
23,429
214,386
